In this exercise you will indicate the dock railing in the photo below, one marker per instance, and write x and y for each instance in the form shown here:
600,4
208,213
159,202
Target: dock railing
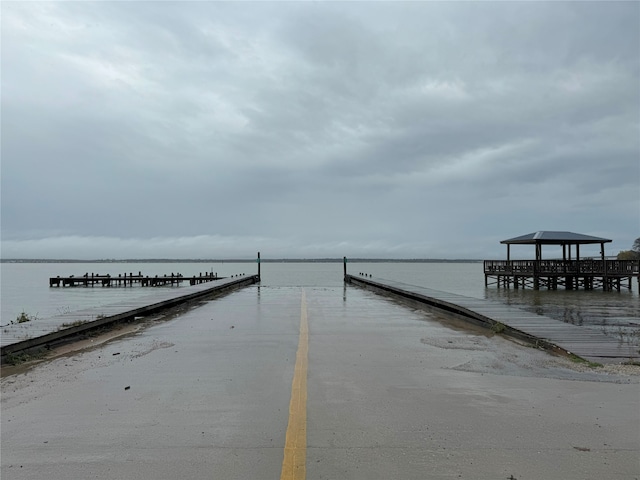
562,267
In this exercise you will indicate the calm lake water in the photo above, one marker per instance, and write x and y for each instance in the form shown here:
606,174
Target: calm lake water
25,287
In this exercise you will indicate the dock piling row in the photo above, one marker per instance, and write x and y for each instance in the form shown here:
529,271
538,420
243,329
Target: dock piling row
91,280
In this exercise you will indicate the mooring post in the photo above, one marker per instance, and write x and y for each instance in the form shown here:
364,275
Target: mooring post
258,265
344,260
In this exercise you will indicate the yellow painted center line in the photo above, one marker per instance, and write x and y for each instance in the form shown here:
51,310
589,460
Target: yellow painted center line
295,446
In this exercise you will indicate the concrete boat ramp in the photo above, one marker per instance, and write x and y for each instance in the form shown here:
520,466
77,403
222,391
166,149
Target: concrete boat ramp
584,342
330,382
321,382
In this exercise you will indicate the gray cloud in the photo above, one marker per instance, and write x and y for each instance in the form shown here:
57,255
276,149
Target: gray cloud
208,129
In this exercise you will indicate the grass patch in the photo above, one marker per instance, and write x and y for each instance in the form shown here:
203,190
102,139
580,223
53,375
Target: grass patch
24,317
77,323
22,357
576,359
498,327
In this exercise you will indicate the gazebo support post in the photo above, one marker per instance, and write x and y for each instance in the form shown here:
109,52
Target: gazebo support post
568,279
605,279
536,276
578,265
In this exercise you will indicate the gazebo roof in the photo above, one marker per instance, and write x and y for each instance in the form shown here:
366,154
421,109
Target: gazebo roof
554,238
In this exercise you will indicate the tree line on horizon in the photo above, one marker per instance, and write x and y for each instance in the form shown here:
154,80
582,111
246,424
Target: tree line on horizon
633,254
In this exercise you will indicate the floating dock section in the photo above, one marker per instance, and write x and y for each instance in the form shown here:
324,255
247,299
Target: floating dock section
44,333
584,342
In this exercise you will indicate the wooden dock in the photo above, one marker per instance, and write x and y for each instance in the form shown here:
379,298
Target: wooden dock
91,280
587,343
588,274
49,331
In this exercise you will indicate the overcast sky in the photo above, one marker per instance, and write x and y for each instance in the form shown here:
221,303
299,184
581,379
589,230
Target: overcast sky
312,129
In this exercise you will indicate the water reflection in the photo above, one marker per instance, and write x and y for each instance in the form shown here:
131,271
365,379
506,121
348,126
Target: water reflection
577,307
616,314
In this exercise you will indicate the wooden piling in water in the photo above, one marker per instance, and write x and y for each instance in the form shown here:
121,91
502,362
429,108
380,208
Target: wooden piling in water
174,279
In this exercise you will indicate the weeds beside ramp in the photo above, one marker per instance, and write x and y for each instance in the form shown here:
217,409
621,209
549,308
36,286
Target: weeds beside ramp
584,342
140,307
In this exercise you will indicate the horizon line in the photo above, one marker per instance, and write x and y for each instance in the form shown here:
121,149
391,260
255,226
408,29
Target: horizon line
233,260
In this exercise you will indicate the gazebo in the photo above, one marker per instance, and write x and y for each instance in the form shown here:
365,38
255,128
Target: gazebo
564,239
569,272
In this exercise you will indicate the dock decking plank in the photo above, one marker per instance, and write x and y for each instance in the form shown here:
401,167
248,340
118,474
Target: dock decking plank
585,342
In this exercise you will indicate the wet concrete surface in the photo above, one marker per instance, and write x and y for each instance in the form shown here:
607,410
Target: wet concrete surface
392,393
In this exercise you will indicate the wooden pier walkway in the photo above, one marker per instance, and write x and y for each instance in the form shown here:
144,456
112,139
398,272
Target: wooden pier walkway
587,343
46,331
571,274
91,280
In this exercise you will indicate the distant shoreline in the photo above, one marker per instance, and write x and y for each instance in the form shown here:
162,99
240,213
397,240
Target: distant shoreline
239,260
